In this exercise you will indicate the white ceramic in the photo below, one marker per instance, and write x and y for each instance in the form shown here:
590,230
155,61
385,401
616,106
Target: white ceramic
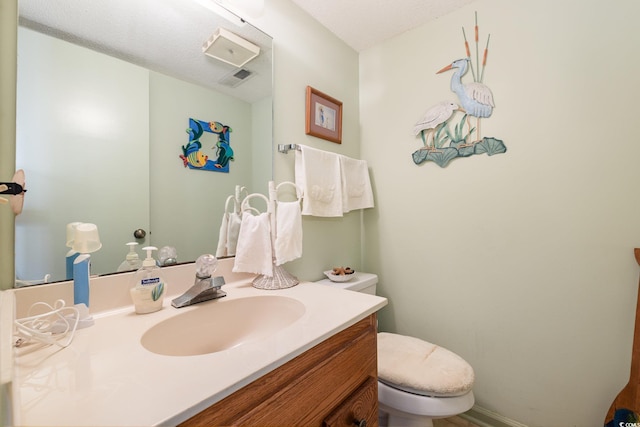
398,408
106,367
238,321
404,409
339,277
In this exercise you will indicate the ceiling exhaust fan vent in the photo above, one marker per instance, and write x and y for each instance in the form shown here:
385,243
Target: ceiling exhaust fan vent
230,48
236,77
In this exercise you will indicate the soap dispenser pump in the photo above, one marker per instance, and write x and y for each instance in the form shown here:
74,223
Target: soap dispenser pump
149,286
132,260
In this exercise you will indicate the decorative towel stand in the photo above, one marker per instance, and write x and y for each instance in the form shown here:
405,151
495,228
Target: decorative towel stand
289,183
281,279
235,198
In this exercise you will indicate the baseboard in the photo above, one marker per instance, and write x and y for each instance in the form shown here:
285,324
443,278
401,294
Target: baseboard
485,418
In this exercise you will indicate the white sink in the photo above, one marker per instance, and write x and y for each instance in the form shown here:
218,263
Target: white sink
221,324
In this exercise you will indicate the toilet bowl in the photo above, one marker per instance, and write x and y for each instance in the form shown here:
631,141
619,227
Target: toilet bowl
398,408
417,381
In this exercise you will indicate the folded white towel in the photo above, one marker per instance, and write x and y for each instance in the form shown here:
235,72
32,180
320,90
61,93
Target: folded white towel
317,173
233,230
253,253
356,185
221,250
288,244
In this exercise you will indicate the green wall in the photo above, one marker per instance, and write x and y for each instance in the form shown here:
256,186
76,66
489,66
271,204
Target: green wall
8,47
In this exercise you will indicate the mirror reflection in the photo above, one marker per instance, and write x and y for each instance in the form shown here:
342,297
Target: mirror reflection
108,94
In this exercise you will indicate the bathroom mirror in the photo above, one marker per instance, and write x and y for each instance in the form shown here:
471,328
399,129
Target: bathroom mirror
106,90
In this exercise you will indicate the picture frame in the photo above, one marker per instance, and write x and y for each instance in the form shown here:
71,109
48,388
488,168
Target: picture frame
324,116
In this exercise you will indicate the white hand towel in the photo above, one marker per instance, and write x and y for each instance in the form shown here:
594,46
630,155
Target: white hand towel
221,250
356,185
254,254
317,173
233,231
288,245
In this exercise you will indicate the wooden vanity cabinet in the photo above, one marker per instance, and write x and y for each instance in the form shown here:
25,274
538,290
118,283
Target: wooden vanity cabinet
332,384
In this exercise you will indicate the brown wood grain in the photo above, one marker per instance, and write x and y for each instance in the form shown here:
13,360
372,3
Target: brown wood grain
358,407
629,397
305,390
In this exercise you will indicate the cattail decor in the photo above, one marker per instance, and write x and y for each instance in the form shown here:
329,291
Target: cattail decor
484,57
477,38
466,46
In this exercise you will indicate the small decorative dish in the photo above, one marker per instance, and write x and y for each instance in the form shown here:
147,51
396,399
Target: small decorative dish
339,277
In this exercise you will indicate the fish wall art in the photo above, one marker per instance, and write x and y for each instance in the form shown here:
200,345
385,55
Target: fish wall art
216,156
451,129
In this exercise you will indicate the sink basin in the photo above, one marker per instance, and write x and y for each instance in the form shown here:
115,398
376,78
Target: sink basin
222,324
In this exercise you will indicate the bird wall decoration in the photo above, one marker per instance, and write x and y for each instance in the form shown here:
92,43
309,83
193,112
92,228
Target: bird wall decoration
475,99
432,118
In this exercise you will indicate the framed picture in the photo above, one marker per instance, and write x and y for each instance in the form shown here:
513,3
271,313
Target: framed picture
324,116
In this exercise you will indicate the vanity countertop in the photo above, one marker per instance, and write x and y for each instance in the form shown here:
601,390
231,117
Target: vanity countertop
107,378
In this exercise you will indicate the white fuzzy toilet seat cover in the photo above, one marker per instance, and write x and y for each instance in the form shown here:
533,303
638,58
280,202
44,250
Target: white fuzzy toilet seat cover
420,367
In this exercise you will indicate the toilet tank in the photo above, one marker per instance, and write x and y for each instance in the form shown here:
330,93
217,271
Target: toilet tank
361,282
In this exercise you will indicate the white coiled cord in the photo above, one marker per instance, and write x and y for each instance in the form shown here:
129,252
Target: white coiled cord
54,327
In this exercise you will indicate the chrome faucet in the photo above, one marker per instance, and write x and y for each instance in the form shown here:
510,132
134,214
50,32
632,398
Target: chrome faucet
205,287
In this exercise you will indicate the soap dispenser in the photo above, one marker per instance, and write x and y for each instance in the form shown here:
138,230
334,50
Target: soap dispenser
149,286
132,260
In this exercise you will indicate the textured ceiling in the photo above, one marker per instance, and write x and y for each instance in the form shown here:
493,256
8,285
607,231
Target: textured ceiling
167,35
162,35
365,23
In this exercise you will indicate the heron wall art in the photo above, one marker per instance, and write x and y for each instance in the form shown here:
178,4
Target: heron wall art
447,129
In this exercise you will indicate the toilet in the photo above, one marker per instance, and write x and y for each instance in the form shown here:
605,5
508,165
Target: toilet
414,389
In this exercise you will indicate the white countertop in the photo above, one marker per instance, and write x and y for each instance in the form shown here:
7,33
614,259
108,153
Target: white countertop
107,378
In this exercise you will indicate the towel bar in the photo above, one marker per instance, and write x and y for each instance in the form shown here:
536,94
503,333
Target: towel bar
284,148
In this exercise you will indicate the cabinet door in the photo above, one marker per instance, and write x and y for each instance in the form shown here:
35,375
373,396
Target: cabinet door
306,390
359,409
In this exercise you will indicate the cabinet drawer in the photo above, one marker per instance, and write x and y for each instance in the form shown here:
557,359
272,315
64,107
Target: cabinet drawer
358,409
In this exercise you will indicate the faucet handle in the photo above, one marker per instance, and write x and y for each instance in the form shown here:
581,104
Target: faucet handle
205,266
